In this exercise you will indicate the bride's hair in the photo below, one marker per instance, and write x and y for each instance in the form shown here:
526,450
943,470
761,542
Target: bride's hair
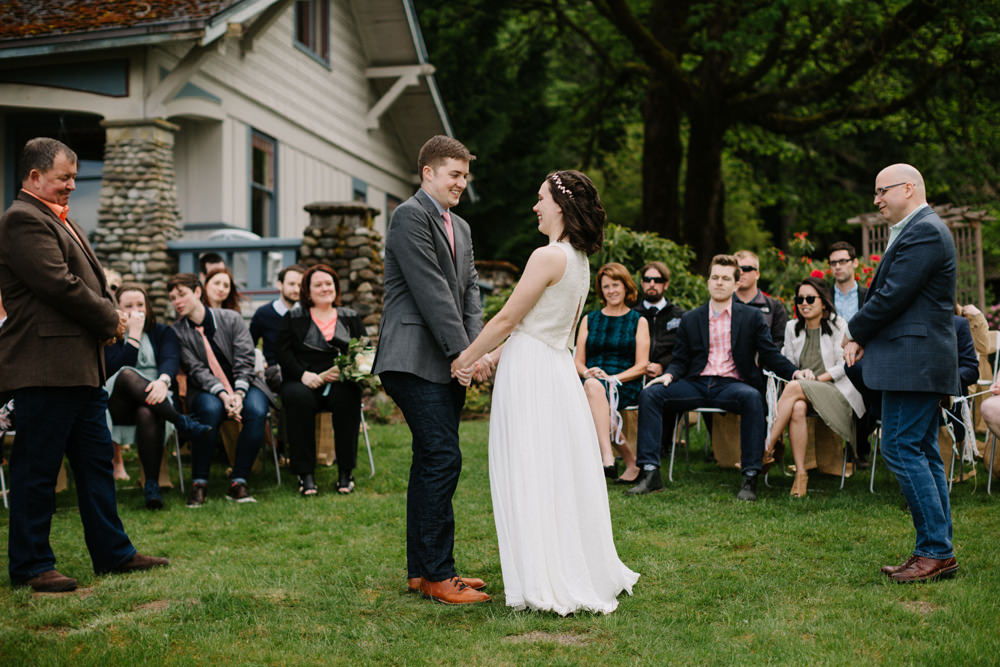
583,212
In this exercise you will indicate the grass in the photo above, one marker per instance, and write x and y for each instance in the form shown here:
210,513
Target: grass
321,581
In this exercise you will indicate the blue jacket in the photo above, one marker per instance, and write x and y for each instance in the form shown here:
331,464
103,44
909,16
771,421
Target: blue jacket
750,340
166,349
906,324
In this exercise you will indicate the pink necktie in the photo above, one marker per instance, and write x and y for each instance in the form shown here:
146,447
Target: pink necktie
213,363
450,230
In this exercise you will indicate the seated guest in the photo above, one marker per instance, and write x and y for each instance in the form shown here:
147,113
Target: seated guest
264,323
747,292
980,330
217,354
848,295
114,281
612,353
714,365
812,341
968,370
663,317
220,291
310,338
209,263
143,367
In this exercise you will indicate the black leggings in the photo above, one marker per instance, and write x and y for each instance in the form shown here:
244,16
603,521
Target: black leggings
127,405
301,405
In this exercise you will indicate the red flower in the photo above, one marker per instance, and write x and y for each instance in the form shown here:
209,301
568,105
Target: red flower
866,269
868,283
875,258
816,273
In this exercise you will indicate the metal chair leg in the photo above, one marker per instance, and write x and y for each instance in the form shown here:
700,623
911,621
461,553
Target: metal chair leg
989,477
843,468
180,465
673,447
871,482
368,444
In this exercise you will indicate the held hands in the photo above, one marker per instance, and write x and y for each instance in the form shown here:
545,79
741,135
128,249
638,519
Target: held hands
465,370
234,405
852,351
595,372
804,374
654,369
312,380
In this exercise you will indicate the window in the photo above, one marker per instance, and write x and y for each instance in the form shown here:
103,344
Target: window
391,202
263,172
359,190
312,28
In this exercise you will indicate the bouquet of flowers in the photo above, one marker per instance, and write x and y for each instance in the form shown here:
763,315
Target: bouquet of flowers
356,364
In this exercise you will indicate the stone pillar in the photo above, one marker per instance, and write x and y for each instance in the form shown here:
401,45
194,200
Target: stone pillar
342,235
138,210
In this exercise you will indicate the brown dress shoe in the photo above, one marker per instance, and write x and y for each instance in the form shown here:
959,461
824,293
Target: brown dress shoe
413,585
452,591
141,562
889,570
51,581
926,569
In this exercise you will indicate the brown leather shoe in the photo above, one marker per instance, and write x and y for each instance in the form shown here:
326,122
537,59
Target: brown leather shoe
889,570
141,562
452,591
413,585
51,581
926,569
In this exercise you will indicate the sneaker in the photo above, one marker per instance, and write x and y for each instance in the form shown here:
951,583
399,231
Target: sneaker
197,496
238,492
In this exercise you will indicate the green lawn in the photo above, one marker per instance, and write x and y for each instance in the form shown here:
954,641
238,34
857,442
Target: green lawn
322,581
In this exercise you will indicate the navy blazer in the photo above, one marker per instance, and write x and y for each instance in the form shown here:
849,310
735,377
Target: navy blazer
750,340
906,324
166,349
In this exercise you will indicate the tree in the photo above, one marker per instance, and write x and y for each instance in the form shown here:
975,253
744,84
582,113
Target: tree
785,67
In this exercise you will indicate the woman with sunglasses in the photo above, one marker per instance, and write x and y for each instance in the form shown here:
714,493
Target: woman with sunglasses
812,341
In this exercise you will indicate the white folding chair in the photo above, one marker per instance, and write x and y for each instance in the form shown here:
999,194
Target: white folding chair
3,480
687,431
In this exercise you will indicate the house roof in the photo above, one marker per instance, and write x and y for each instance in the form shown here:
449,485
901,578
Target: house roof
37,20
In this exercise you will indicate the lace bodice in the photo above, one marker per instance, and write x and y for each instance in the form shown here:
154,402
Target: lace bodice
553,318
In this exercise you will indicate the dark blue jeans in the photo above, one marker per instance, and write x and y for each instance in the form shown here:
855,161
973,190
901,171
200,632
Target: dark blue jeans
910,447
210,411
659,405
432,412
53,422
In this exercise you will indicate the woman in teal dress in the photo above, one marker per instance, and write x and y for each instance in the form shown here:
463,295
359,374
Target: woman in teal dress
612,352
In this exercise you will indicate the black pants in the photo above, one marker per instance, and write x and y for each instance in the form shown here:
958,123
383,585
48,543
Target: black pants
432,412
301,404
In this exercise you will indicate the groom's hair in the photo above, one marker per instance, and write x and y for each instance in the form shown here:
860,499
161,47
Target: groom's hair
439,148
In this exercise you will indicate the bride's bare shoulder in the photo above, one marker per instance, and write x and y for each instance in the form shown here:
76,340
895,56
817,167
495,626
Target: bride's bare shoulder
549,259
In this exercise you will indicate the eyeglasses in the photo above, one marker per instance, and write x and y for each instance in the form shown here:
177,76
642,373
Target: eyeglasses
112,287
651,279
838,262
748,269
811,299
880,192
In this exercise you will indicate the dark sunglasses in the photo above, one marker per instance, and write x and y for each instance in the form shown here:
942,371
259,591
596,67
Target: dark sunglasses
658,281
748,269
811,299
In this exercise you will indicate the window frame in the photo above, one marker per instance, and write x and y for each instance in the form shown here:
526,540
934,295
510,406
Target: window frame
263,141
317,17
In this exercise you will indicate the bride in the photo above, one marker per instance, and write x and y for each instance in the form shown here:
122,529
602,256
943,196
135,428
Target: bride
550,502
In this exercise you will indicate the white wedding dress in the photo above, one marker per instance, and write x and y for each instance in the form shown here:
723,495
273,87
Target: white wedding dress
550,502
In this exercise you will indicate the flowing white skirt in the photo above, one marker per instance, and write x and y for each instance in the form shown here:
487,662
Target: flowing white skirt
550,502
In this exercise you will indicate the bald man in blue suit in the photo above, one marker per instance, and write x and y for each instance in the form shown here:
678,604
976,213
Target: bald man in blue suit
906,334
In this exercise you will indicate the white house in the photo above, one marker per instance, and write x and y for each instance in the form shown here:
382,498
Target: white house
263,106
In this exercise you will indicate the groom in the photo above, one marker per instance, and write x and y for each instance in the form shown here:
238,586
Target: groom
430,314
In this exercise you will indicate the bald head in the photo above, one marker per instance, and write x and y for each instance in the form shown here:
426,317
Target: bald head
899,189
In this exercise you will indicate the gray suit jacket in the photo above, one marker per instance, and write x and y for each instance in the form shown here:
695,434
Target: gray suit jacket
906,323
59,310
431,310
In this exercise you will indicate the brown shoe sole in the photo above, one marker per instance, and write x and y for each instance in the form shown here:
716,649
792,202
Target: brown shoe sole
449,602
416,589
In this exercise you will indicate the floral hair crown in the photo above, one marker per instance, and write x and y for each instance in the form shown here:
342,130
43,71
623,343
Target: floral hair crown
559,185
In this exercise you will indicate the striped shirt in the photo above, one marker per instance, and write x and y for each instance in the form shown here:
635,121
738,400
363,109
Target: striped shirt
720,349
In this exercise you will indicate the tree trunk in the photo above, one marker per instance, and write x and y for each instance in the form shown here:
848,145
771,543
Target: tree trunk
662,153
704,226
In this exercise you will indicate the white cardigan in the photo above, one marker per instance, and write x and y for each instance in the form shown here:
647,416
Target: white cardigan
833,358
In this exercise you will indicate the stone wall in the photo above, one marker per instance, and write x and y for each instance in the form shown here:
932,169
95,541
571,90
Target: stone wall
342,235
138,210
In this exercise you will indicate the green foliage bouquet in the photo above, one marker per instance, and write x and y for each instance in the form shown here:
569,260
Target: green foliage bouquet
356,364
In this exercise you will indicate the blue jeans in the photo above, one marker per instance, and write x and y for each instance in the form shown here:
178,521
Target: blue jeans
432,412
53,422
210,411
910,448
659,405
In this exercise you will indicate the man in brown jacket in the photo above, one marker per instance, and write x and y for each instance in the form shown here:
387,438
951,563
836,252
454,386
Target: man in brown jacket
51,349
